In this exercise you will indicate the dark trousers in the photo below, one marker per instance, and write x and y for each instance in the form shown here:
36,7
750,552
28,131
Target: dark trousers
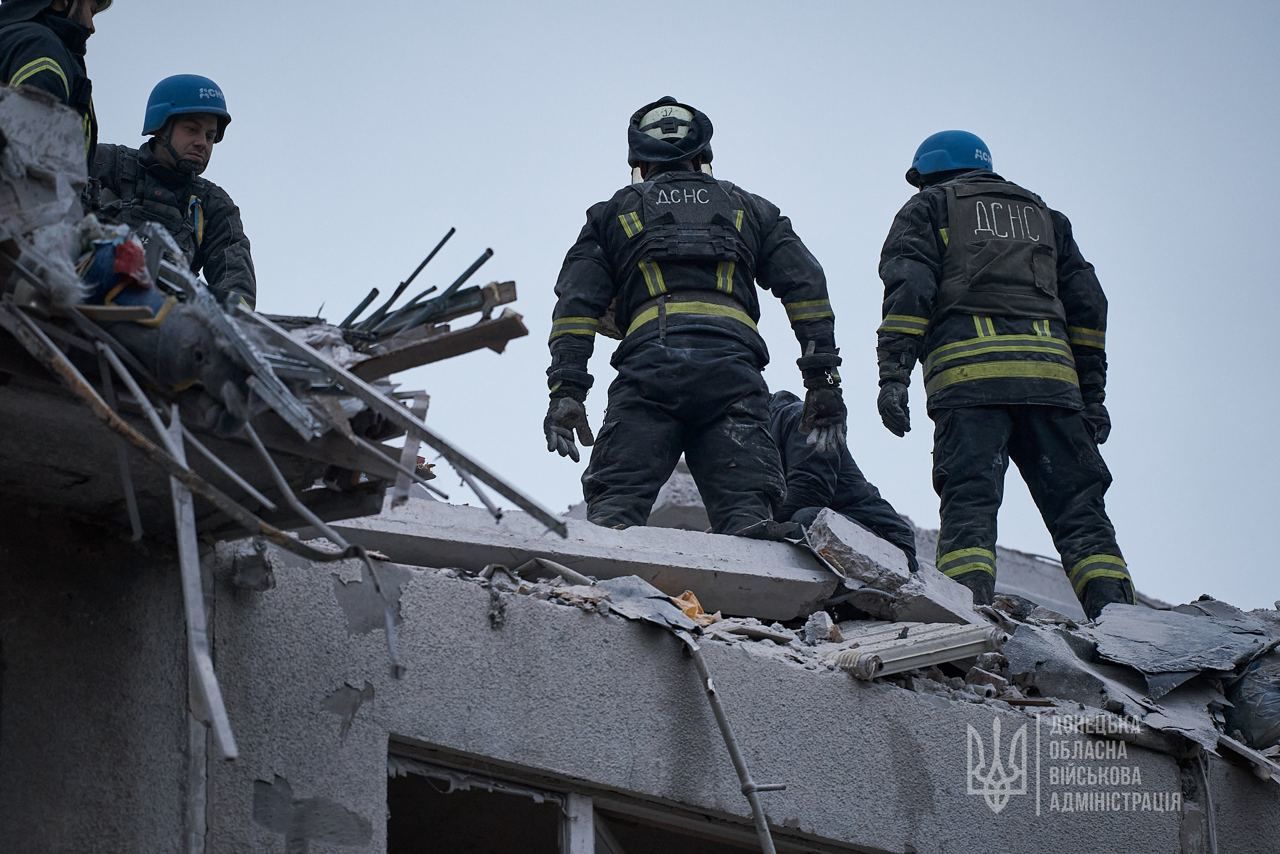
702,396
1063,470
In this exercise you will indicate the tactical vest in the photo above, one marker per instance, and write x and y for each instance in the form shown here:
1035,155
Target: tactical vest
129,196
686,217
1002,256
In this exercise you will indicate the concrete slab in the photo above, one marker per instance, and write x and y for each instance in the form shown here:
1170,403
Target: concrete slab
893,592
772,581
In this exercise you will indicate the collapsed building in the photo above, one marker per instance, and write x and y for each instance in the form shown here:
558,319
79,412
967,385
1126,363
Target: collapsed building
299,646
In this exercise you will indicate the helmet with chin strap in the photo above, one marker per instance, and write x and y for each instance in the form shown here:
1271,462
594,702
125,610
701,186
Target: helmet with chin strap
183,95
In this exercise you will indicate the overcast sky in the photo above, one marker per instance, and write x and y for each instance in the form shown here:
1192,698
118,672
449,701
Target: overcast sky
363,131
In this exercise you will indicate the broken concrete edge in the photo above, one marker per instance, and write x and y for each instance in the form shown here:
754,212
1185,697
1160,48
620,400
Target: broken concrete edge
634,601
733,575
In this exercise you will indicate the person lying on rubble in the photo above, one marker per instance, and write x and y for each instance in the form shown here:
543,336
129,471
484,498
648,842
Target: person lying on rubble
985,284
161,182
674,260
42,45
815,481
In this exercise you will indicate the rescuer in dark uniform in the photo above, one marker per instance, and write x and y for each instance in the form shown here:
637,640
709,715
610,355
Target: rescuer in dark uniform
815,481
672,260
161,182
42,44
986,283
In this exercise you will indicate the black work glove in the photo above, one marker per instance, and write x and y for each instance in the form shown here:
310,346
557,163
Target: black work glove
823,419
1098,421
892,404
565,416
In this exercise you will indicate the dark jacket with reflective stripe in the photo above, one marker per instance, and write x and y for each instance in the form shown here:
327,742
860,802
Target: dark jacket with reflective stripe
992,358
825,480
47,52
135,187
712,297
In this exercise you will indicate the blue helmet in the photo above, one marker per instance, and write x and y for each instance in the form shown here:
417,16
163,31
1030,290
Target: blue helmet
946,151
185,94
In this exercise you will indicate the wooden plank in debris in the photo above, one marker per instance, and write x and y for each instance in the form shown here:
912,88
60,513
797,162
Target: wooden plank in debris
492,334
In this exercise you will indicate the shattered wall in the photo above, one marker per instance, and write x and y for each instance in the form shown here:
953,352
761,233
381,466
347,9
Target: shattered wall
94,730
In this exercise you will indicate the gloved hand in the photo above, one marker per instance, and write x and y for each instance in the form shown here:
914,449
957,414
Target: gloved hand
892,403
1098,421
565,416
823,419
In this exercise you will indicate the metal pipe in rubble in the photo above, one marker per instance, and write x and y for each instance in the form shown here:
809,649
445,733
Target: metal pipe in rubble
750,787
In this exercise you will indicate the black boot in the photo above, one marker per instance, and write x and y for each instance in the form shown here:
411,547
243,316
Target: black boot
1101,592
983,585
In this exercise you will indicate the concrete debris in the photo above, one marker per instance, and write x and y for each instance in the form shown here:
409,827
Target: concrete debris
773,581
878,582
1255,704
1172,647
251,568
978,676
820,628
1051,661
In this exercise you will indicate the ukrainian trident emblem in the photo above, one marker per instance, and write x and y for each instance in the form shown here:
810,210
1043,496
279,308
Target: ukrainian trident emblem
994,774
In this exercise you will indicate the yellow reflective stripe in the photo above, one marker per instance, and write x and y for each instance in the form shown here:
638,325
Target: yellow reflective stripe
908,324
1003,371
963,553
808,309
724,276
991,326
560,333
1080,565
1100,573
965,569
946,236
653,277
574,326
1034,340
1088,337
737,220
36,66
977,325
704,308
631,223
930,363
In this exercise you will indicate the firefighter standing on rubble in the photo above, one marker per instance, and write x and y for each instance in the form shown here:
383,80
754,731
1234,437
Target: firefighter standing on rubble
673,260
161,182
986,283
42,45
